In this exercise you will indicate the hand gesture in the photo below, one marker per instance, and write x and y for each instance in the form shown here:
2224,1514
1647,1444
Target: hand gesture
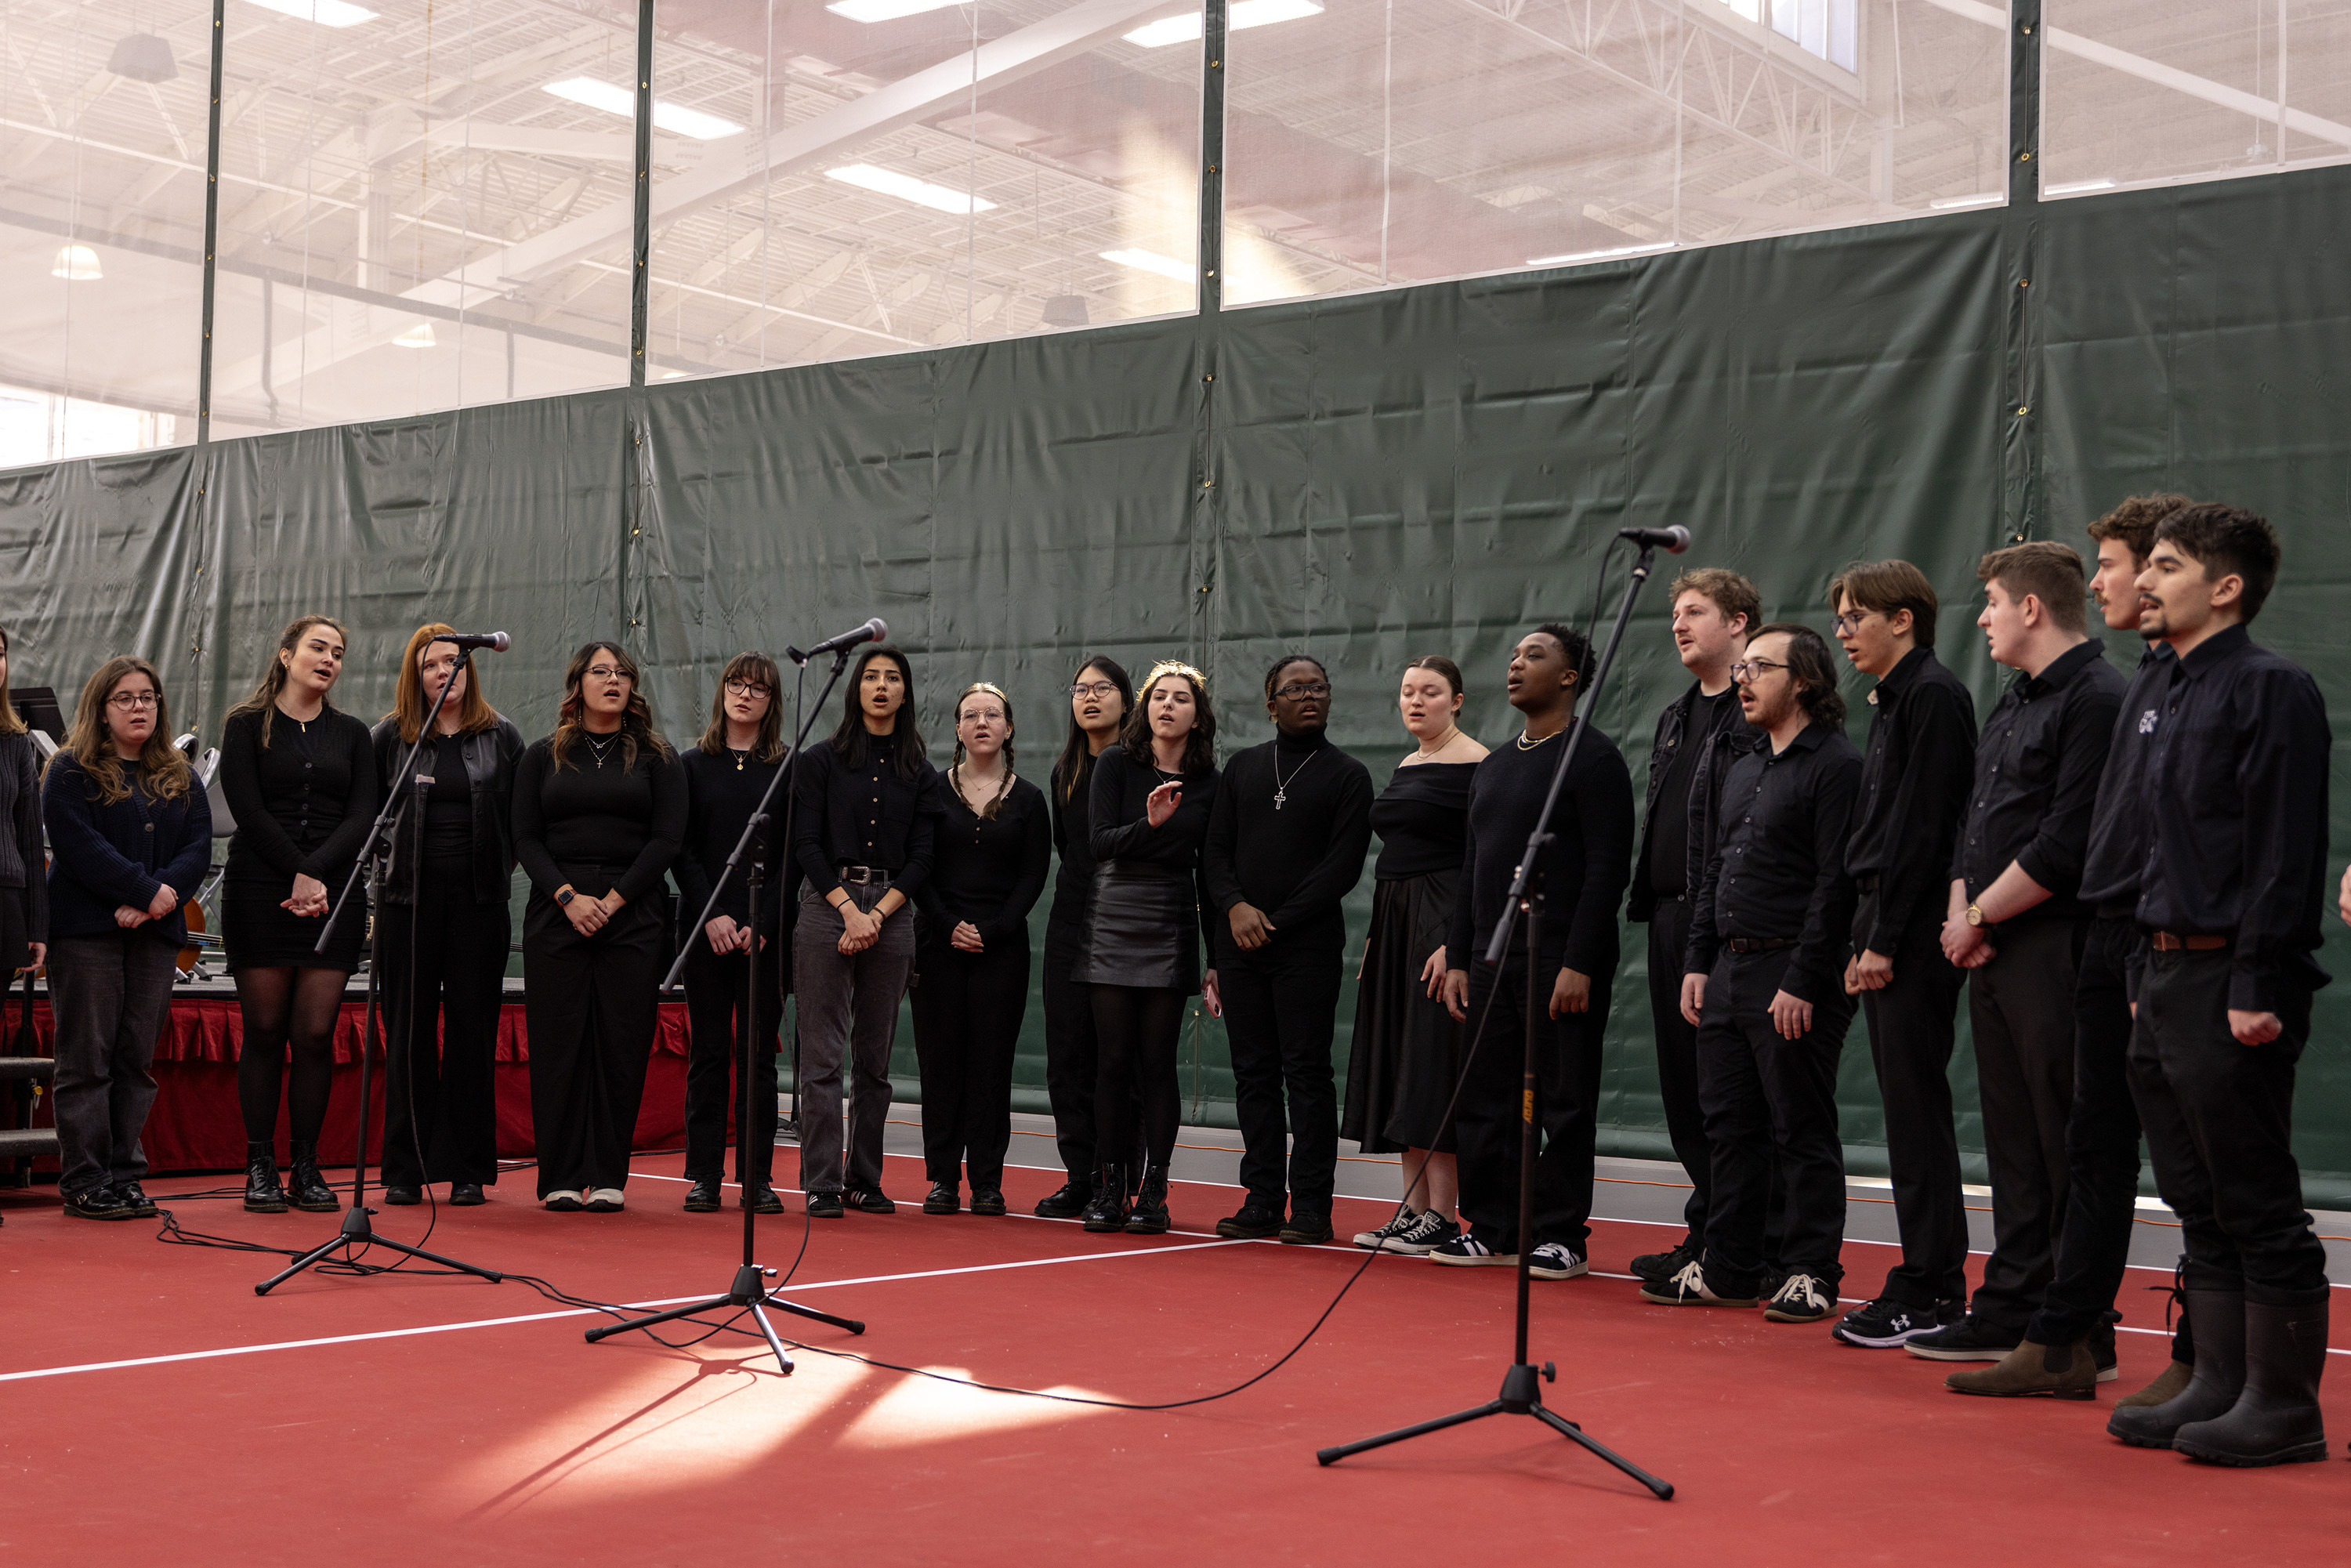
1163,803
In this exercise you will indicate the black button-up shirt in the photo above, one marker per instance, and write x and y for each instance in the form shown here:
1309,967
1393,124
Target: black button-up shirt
1778,868
2036,779
2117,851
2235,797
871,817
1914,788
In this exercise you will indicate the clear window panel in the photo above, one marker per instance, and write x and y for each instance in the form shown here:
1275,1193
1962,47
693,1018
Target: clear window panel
425,205
1374,143
876,176
2143,92
102,115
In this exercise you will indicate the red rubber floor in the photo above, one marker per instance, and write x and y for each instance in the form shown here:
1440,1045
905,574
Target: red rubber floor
408,1418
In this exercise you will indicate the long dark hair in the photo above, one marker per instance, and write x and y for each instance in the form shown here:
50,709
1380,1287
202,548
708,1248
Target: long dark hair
1200,746
849,740
263,699
770,746
1811,668
1076,763
636,720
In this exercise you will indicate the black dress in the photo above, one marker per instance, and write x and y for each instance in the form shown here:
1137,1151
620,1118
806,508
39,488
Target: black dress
1408,1050
302,804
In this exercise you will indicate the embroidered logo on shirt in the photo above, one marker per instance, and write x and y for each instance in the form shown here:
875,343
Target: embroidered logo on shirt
2147,722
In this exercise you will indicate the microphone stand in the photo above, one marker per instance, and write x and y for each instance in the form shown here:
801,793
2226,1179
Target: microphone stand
749,1291
1521,1392
356,1232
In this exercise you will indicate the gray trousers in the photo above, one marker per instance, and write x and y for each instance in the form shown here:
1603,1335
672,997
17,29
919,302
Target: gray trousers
848,1007
109,994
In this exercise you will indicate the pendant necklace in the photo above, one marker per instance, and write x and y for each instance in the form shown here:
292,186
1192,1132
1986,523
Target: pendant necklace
740,757
604,750
1281,785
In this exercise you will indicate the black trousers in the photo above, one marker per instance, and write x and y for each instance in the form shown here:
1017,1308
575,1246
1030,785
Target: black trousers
2022,1006
1677,1036
446,1101
1137,1100
1912,1029
1073,1058
1771,1108
1281,1003
1567,1091
718,989
968,1009
591,1003
2219,1129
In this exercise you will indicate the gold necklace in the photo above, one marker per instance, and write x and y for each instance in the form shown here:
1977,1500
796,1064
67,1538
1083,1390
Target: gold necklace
1442,742
1525,744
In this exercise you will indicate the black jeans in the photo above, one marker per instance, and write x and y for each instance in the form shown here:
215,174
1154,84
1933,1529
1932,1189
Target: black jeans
2219,1129
1669,930
967,1011
1912,1028
2022,1006
1567,1091
718,989
110,993
446,1101
1281,1004
1771,1107
592,1004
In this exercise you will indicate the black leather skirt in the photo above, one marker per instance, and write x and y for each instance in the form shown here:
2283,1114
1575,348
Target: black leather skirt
1146,928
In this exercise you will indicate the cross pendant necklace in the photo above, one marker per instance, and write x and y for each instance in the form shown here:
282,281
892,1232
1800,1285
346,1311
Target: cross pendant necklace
1281,785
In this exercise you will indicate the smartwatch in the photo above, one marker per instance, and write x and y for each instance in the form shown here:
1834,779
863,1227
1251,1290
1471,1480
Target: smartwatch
564,895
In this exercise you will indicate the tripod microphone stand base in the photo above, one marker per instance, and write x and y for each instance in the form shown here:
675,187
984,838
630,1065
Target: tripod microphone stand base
1522,1396
750,1293
356,1232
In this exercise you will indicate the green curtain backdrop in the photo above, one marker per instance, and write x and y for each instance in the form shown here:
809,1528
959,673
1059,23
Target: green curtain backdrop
1368,478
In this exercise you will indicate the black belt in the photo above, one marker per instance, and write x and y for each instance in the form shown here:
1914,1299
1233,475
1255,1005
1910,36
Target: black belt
1756,943
863,875
2170,942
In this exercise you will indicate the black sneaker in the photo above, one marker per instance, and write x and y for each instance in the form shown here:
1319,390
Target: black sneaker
1254,1222
100,1202
1655,1266
1970,1339
144,1207
1689,1289
1557,1261
760,1199
869,1200
1375,1240
987,1201
466,1195
945,1198
1066,1202
1308,1230
1885,1323
824,1205
702,1197
1429,1231
1466,1251
1801,1298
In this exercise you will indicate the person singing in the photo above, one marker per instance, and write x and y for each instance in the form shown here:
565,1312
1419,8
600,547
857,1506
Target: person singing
130,829
599,812
865,832
299,777
726,778
995,844
1406,1053
24,890
1152,798
443,926
1285,844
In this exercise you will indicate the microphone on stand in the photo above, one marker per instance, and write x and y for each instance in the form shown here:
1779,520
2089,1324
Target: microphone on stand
874,631
1672,541
495,642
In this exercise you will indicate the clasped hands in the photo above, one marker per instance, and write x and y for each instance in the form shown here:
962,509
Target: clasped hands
130,915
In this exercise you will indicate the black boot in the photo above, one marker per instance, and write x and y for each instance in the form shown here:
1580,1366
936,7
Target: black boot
1150,1216
2219,1379
262,1192
1068,1202
306,1189
2276,1420
1106,1210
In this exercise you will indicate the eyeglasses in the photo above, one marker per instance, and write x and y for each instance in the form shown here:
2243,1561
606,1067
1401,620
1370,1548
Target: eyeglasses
133,699
610,672
746,688
1094,689
1296,689
1846,624
1752,669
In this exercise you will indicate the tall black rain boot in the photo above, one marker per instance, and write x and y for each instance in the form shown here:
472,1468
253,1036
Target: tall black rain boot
2276,1420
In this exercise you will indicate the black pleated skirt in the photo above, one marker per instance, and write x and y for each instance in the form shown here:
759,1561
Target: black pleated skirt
1407,1049
257,934
1144,930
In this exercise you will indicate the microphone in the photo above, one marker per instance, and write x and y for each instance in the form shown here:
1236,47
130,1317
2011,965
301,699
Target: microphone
495,642
1672,541
874,631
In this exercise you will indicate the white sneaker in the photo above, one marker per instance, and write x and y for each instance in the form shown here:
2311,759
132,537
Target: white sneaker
1556,1260
1466,1251
605,1200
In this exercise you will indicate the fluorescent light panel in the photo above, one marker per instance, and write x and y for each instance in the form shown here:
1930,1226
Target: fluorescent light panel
1609,254
593,94
1182,29
2076,187
1152,261
326,13
906,188
885,10
1980,199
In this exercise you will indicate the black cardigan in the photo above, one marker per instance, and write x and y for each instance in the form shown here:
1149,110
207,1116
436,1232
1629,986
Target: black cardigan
989,871
110,856
297,814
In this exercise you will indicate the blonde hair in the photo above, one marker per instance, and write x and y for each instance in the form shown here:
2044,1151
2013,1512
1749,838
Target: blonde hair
408,704
162,766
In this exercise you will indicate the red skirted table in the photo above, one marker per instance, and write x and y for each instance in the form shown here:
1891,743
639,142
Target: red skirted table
196,1125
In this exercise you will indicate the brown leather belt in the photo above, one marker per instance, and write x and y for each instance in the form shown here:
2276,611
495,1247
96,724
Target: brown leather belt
1756,943
2169,942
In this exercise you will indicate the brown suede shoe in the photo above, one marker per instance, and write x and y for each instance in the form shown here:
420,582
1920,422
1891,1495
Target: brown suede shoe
2059,1371
2169,1385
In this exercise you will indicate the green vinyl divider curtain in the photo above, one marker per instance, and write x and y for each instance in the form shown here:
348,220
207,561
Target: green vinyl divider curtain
1366,477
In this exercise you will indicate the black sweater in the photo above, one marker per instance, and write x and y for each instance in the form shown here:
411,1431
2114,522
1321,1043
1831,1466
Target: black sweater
581,815
1122,830
1296,861
1584,870
719,799
990,870
303,803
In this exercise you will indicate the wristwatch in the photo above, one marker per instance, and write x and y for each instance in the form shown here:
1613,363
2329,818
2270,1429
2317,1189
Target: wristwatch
564,895
1975,916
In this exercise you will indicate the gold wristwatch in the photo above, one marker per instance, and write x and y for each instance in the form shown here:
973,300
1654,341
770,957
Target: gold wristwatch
1975,916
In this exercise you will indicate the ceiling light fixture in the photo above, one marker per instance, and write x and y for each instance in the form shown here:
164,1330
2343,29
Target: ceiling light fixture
1152,261
143,57
1980,199
885,10
1609,254
417,337
589,93
906,188
75,263
1242,13
2076,187
326,13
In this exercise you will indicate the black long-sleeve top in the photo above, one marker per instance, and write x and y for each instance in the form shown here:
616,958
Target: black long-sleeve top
581,815
870,818
989,871
1913,790
22,863
1293,859
1122,830
1073,842
1584,869
1669,861
720,797
2036,779
2117,848
1423,820
2235,797
304,804
1778,869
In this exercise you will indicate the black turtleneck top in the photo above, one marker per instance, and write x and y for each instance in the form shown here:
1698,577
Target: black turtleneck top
1295,857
